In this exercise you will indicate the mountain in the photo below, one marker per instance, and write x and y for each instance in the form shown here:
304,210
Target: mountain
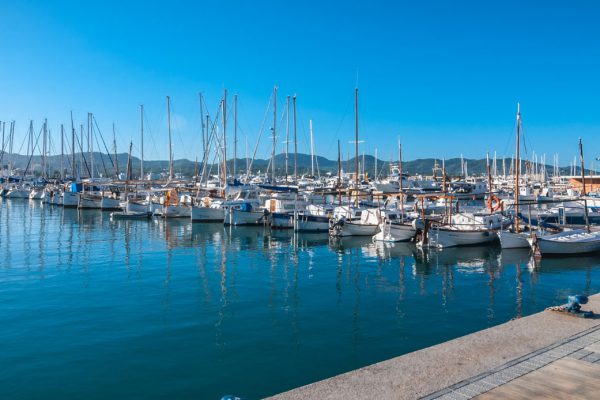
103,164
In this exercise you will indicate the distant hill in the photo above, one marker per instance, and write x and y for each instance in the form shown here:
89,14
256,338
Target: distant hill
103,165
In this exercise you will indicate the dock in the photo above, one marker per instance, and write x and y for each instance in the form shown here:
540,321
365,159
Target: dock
525,358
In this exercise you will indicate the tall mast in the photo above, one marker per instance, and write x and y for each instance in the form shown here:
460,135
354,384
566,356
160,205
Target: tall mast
356,140
583,192
115,150
142,141
489,175
73,148
287,136
62,152
274,134
517,168
91,144
170,145
339,177
224,139
401,180
234,135
375,177
295,143
312,150
45,139
10,147
202,127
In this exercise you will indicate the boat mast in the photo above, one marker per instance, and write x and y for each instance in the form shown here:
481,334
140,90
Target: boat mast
287,136
489,174
312,150
44,145
401,180
170,145
62,151
115,149
202,129
235,97
356,140
295,142
517,168
91,145
583,191
142,141
73,148
274,134
224,104
339,178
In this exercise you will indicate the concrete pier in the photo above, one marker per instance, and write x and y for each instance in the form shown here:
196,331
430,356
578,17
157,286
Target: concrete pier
471,365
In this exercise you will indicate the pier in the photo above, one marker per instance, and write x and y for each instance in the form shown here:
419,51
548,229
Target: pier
532,357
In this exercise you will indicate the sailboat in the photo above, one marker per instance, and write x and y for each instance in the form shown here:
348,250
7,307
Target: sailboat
514,238
579,241
355,221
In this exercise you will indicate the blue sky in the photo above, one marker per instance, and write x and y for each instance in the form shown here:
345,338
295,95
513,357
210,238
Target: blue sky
443,76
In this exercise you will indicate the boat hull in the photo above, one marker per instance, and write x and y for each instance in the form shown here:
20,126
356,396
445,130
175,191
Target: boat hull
207,214
241,217
395,233
176,211
512,240
441,237
282,221
312,223
348,228
110,204
567,243
69,200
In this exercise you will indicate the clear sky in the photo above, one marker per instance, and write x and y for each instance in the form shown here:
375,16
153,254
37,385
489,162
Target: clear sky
444,76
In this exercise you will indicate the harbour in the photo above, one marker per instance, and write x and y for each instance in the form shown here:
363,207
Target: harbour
244,310
311,200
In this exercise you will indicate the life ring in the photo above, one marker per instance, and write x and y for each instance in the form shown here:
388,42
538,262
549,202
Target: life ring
494,204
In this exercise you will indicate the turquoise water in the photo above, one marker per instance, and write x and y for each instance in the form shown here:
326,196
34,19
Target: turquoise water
97,309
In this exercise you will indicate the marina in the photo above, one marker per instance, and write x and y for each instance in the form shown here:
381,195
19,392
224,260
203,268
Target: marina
299,200
245,309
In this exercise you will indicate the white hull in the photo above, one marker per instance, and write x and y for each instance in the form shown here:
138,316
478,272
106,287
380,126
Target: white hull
89,202
512,240
69,200
108,203
306,223
395,233
134,208
282,221
354,229
565,243
443,237
207,214
177,211
239,217
18,194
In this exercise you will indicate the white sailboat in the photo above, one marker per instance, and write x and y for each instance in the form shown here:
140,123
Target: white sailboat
514,238
575,242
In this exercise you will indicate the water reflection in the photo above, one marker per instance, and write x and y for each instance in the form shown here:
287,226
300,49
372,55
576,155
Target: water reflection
240,299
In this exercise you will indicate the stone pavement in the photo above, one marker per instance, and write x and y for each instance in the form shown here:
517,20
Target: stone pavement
584,346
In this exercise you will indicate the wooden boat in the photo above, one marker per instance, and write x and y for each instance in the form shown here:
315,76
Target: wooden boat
513,240
578,241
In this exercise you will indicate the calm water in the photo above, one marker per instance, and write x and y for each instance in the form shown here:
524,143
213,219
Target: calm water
96,309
